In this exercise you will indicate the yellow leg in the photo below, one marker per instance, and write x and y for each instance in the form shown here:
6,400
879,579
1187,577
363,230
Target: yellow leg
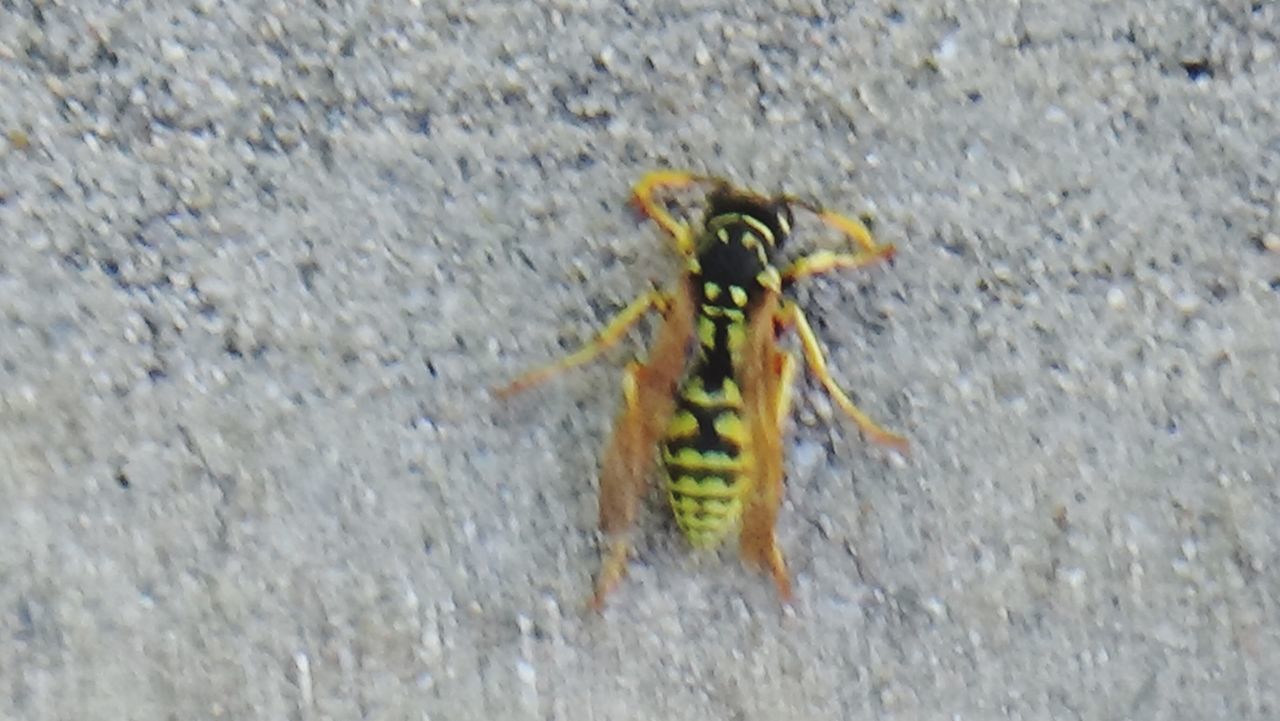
818,365
608,337
854,229
825,261
642,198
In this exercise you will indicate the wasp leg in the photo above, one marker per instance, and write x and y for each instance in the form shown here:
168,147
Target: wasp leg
792,315
642,197
853,229
825,261
758,541
612,333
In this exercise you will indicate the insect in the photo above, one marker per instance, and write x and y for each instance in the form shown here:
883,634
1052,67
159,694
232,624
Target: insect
714,394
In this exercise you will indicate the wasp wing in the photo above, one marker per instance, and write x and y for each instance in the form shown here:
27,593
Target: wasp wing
649,401
765,373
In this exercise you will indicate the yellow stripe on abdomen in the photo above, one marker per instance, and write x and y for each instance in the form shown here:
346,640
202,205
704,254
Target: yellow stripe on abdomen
706,513
707,459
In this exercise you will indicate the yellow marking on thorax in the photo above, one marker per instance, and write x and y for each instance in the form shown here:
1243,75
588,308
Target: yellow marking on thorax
735,329
716,311
738,295
710,291
760,228
720,221
737,336
706,332
770,278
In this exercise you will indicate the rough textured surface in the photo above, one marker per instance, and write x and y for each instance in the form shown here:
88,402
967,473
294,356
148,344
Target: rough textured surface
260,262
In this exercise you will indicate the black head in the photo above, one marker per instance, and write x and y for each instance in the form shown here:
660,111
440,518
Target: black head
774,213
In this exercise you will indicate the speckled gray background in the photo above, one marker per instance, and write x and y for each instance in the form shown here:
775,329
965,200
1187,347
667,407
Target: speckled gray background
259,262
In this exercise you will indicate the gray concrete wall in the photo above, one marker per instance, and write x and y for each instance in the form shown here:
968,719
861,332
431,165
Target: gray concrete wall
259,263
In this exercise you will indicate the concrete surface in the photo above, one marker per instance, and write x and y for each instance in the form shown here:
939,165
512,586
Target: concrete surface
261,261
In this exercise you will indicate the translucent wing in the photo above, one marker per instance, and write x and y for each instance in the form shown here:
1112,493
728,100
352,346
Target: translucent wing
649,401
766,373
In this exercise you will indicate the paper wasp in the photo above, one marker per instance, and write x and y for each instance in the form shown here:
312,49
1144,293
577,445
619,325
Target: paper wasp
716,415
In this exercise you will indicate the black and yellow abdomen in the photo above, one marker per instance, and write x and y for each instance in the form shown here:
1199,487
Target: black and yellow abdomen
717,416
707,458
707,449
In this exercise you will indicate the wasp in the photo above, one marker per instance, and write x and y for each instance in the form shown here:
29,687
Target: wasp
714,394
